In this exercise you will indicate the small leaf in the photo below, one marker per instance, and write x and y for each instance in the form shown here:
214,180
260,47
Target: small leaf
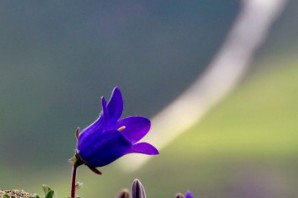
46,189
50,194
6,196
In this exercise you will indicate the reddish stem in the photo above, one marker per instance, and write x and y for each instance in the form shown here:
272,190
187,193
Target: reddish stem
73,181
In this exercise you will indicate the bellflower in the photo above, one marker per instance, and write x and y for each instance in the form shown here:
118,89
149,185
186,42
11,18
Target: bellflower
109,137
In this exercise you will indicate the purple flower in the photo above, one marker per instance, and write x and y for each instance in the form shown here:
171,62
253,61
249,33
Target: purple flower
110,137
188,195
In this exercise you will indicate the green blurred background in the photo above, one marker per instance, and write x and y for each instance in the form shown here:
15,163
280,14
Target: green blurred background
58,57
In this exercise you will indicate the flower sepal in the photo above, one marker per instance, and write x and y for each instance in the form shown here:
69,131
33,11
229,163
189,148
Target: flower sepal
76,160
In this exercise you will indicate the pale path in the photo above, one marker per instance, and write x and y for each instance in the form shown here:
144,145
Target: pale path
224,72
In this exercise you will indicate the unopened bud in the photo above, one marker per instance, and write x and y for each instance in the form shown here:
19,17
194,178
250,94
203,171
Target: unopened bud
138,190
124,194
179,195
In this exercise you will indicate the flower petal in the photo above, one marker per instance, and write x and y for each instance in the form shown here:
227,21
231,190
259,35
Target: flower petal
136,127
115,105
105,113
145,148
100,122
100,149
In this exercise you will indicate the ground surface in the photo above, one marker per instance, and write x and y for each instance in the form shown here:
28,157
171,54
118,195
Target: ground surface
16,194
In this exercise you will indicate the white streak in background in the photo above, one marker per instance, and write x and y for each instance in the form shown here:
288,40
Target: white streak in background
223,74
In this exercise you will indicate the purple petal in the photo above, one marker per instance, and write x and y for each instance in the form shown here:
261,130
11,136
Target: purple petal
105,112
145,148
100,149
136,127
115,106
100,122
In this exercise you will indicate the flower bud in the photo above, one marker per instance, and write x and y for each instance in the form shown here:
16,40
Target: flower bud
124,194
138,190
179,195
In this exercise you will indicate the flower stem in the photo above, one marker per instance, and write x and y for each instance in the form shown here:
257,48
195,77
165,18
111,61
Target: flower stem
77,161
73,181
